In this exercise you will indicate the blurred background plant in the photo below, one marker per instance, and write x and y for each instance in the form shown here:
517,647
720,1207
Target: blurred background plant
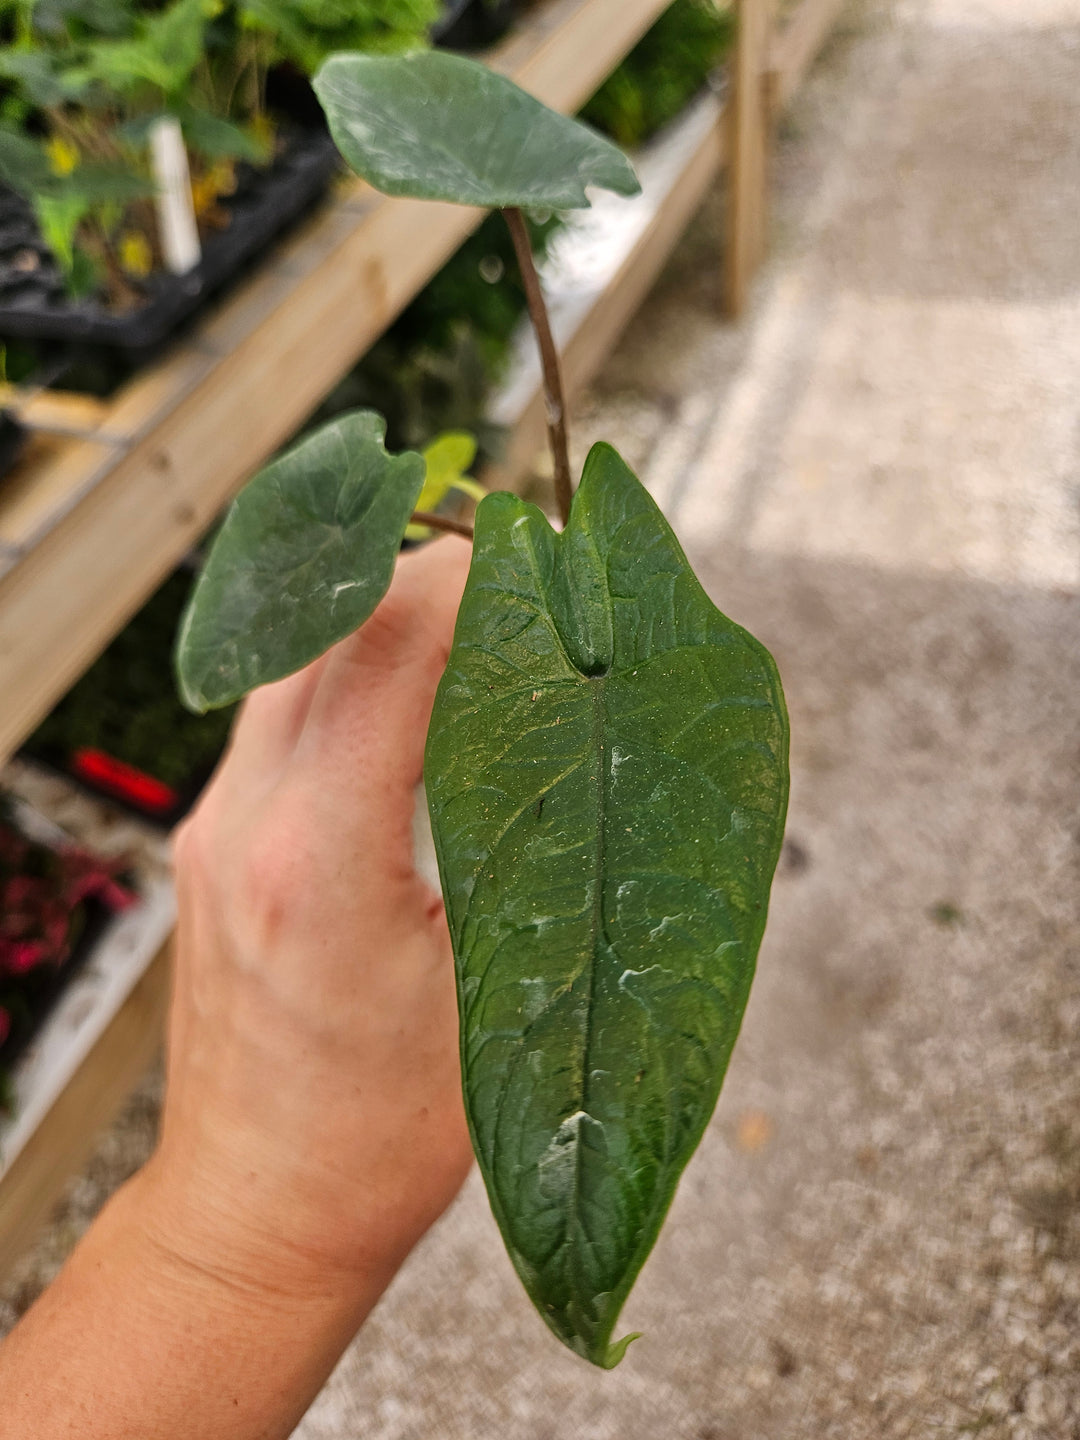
48,895
665,71
125,705
83,81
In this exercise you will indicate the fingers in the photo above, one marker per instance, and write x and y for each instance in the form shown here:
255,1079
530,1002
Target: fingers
368,717
270,723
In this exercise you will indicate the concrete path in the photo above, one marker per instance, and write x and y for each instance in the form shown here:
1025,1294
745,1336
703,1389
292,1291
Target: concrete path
878,473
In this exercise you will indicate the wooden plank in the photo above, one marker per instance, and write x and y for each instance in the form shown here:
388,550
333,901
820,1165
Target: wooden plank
50,477
597,326
155,392
748,149
570,48
59,412
65,1139
290,343
794,50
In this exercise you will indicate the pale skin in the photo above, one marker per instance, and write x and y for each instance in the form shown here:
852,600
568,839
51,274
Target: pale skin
313,1126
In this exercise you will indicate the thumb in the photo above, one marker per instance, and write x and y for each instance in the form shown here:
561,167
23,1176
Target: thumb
367,722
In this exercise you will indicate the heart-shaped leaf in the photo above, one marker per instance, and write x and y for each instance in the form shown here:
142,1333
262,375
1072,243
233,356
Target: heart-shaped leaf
607,775
305,554
439,127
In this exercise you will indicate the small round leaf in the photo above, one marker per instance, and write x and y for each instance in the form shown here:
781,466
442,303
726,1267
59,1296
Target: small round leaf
439,127
306,553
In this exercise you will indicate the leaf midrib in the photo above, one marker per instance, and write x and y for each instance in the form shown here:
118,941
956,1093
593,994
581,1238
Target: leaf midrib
596,687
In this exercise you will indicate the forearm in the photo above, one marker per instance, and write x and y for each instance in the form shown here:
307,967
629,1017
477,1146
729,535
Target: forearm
145,1339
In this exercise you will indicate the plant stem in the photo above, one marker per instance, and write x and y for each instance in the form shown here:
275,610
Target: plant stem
442,522
554,400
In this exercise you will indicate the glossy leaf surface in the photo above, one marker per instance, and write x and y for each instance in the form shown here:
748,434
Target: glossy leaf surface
607,777
306,553
439,127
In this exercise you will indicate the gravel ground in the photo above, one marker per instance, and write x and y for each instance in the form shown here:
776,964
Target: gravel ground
877,472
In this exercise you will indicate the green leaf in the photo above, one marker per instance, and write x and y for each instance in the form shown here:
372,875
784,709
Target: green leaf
607,778
446,460
305,554
217,138
440,127
39,77
58,218
307,31
24,166
163,55
99,184
205,134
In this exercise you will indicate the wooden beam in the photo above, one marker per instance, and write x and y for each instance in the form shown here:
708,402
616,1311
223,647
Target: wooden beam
796,47
748,152
65,1139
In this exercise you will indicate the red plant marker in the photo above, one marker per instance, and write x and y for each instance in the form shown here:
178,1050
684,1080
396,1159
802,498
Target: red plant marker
124,781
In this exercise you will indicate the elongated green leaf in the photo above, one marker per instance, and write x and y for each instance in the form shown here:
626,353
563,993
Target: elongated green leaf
607,776
440,127
305,554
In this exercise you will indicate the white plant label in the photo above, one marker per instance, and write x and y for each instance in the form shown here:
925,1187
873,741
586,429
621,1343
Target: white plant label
175,210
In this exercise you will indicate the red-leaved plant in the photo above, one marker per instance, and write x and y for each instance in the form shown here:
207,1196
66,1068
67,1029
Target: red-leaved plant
43,897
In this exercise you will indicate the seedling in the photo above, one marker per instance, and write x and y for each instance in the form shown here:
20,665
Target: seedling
606,765
92,81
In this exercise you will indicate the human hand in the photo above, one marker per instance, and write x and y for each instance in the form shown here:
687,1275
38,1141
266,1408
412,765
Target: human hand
313,1124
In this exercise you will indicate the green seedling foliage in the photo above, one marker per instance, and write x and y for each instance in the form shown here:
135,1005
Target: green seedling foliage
664,70
209,135
307,31
162,54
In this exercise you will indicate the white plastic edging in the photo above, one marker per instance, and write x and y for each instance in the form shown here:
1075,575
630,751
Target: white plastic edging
593,246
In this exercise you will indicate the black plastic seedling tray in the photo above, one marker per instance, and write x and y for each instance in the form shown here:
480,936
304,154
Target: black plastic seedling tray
470,24
35,306
13,437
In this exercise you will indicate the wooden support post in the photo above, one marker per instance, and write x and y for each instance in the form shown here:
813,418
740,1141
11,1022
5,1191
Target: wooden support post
747,112
65,1139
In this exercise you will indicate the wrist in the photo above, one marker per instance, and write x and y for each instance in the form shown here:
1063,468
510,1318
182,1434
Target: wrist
172,1319
250,1246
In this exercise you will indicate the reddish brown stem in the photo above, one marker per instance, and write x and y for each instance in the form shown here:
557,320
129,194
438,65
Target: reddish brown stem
554,399
442,522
